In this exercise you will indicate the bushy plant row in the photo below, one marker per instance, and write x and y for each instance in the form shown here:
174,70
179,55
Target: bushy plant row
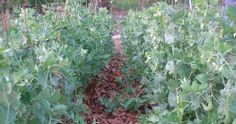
186,62
46,61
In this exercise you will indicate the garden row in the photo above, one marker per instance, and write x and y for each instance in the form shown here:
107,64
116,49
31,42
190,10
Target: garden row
46,62
185,61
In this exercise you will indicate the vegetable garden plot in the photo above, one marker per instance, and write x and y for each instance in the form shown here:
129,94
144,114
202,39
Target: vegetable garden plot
180,68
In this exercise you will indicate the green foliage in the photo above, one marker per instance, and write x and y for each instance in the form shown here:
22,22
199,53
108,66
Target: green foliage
231,13
126,4
129,104
47,60
186,62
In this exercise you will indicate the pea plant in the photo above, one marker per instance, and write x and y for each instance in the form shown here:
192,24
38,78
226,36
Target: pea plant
185,61
46,62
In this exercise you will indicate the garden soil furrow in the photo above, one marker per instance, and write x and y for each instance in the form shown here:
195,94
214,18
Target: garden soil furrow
105,85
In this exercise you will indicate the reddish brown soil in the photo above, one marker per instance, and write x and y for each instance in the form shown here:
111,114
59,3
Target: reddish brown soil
106,86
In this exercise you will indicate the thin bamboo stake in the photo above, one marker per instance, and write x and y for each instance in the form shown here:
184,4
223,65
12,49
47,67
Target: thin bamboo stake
26,26
190,4
5,20
96,6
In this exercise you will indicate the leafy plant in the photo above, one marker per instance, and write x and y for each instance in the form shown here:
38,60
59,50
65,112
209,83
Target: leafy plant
110,104
184,59
47,60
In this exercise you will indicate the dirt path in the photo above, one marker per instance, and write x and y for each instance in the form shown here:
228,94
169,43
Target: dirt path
106,93
118,15
117,40
105,96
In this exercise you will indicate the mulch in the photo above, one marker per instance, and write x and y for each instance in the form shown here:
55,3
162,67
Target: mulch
105,85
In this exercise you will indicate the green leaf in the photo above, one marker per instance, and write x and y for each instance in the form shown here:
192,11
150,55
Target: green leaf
55,97
225,71
153,118
202,78
4,63
60,107
17,76
50,60
1,50
14,100
172,117
79,119
199,2
42,78
170,66
133,104
231,13
179,15
233,102
169,37
106,56
3,98
25,97
172,99
44,95
144,81
7,115
173,84
225,47
183,70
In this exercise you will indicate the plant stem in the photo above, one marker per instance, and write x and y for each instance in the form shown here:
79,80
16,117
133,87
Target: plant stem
26,26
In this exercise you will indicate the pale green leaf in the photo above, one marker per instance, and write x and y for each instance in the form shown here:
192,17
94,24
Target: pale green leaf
59,108
202,78
172,99
231,12
173,84
17,76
